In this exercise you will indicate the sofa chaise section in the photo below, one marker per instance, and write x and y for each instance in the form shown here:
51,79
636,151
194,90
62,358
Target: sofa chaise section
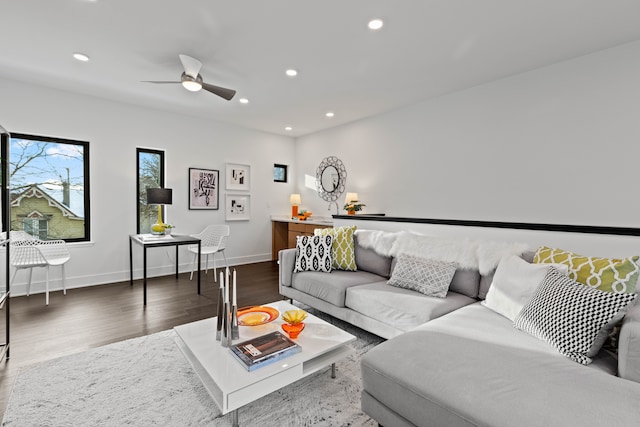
473,368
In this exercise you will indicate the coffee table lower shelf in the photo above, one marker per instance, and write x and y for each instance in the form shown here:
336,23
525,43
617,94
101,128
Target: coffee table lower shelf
231,386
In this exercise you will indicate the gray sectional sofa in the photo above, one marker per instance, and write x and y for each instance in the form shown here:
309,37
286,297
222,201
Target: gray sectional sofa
455,362
363,298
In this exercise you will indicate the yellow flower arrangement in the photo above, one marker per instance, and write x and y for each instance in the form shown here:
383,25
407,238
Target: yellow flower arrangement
294,317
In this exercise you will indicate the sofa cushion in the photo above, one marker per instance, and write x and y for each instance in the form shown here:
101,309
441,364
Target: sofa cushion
465,282
487,279
331,287
570,316
607,274
471,366
313,253
369,260
402,308
514,283
426,276
343,248
629,345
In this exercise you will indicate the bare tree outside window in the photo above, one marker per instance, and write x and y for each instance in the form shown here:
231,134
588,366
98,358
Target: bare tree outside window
49,184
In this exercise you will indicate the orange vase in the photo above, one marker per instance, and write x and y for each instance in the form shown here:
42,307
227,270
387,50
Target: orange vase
352,212
293,330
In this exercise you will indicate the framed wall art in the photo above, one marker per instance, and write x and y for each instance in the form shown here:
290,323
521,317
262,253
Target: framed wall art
238,207
238,177
204,188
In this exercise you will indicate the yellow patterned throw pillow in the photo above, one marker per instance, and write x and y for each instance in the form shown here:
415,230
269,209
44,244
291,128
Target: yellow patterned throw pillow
344,257
607,274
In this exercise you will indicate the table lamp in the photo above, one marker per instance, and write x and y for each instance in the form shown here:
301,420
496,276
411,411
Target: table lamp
295,202
159,196
351,197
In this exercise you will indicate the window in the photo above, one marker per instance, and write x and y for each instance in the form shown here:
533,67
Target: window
279,173
150,168
36,227
49,184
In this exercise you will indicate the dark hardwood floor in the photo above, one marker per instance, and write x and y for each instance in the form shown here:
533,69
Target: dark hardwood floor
98,315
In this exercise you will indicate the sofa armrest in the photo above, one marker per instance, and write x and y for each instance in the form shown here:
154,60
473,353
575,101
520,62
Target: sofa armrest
287,261
629,345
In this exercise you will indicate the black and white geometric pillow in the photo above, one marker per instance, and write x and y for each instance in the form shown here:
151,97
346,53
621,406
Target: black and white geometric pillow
427,276
569,316
313,253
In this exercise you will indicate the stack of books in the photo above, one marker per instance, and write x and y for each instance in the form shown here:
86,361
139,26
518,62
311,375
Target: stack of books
264,350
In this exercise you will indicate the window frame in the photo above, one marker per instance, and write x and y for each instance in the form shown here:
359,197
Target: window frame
86,176
139,151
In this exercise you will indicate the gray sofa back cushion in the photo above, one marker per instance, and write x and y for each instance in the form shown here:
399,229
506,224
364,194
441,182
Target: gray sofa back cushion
466,282
629,345
369,260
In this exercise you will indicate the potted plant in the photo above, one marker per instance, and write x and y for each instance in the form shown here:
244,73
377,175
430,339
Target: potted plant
353,206
167,229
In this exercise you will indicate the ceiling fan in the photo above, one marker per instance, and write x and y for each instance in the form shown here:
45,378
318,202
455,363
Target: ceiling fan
192,80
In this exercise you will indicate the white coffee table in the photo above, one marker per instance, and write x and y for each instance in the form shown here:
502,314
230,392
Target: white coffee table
231,385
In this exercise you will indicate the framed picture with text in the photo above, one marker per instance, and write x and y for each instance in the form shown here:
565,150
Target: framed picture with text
204,188
238,177
238,207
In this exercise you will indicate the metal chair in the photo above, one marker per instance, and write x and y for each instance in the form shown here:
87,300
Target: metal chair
213,240
39,253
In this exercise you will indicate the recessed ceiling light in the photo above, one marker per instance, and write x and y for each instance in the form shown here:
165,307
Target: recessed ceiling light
329,114
243,101
291,72
81,57
375,24
288,128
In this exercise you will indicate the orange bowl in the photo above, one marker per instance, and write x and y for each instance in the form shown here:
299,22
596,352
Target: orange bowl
308,214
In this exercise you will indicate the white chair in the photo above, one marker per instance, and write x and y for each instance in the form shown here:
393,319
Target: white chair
213,240
39,253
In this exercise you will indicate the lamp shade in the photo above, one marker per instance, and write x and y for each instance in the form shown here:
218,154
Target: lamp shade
351,197
159,196
295,199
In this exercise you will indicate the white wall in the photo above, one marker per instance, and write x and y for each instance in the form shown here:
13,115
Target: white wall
114,131
555,145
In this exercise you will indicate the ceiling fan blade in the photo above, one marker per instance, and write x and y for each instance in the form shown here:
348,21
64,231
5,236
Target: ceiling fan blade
220,91
191,65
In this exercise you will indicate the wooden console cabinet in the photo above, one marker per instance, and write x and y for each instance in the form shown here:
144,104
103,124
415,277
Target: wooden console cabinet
284,233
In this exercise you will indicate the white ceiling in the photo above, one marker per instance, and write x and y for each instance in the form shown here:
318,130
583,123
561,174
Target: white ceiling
425,49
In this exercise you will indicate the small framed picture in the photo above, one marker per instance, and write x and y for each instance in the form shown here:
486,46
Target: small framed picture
238,177
238,207
279,173
204,188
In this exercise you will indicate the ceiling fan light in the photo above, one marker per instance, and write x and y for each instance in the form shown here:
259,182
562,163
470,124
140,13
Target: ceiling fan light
192,86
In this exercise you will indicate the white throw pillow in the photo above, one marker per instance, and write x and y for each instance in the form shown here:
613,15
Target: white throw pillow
514,283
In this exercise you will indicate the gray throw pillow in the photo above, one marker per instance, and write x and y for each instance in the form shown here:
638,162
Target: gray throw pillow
571,317
313,253
426,276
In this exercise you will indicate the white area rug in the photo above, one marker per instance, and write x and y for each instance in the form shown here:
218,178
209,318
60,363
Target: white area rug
147,381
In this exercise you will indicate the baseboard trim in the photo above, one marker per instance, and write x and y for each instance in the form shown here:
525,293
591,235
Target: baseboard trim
19,288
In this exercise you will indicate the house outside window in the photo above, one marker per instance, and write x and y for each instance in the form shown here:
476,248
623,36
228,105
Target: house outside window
49,184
